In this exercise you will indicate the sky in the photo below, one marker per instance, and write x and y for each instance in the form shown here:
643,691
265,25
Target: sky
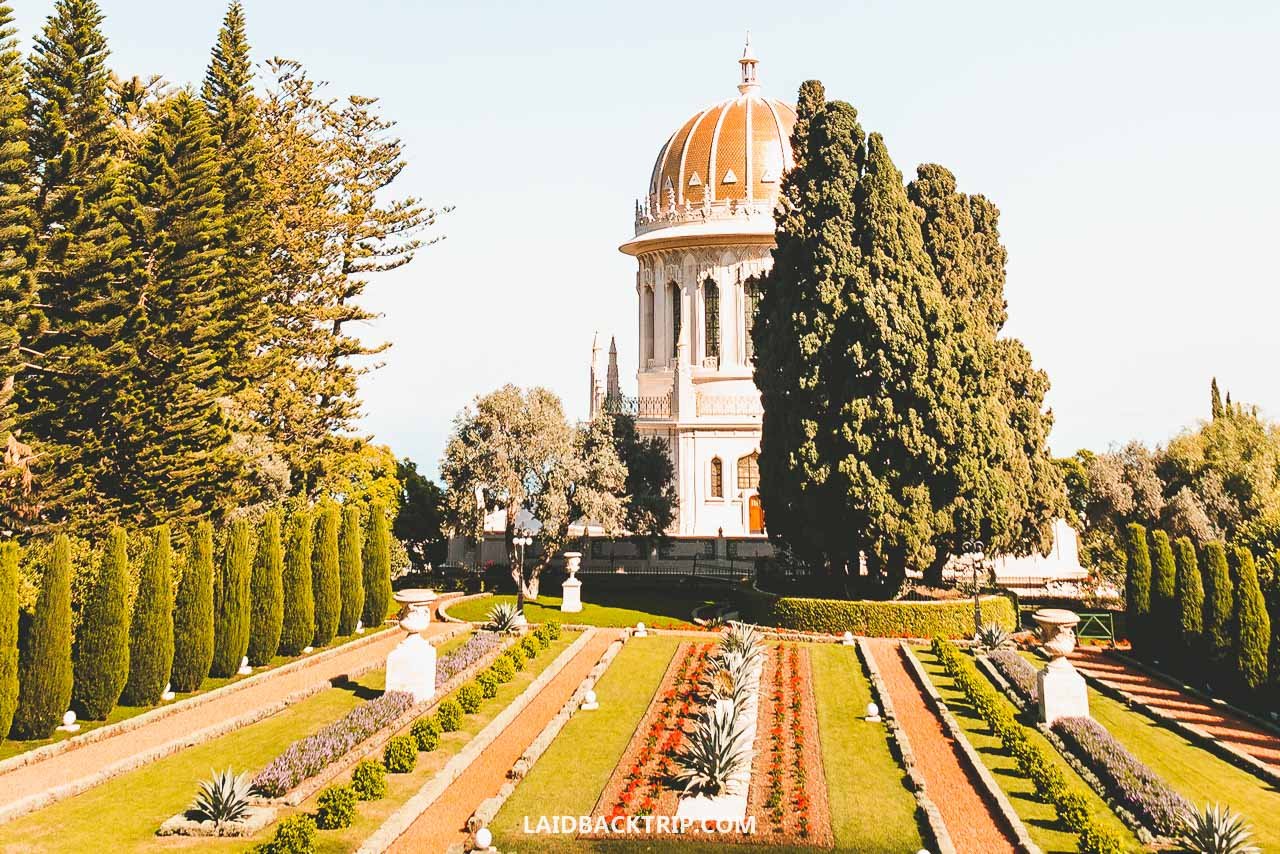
1131,147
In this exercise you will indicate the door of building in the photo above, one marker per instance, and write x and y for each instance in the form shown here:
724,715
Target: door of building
755,515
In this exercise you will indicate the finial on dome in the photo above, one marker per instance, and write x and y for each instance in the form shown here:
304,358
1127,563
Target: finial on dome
749,82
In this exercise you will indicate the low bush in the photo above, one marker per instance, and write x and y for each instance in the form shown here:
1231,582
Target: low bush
369,779
517,657
504,669
306,757
1019,673
541,636
336,807
469,698
426,732
449,715
488,682
950,619
400,754
1130,782
553,629
294,835
530,646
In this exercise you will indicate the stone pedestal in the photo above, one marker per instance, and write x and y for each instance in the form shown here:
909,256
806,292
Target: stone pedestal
571,599
1063,692
411,666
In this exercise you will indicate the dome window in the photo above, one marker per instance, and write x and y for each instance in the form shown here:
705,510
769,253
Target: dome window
769,176
694,180
729,177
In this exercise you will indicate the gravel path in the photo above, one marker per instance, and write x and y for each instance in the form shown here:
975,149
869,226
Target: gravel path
443,823
950,784
1218,722
79,765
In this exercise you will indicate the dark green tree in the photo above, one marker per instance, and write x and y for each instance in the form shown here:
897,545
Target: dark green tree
377,567
325,582
231,603
193,614
299,625
1164,575
1252,624
1137,584
351,569
1219,603
1215,399
102,642
267,593
151,645
650,486
9,557
419,522
1190,597
45,673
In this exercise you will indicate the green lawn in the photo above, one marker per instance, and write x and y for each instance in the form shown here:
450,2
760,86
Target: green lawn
1039,817
863,778
599,608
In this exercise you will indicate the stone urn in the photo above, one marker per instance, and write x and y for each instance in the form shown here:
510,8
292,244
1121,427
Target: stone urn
571,598
411,666
1062,689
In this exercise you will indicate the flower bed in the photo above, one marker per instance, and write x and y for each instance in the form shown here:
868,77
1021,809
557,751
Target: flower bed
1019,673
1129,781
456,661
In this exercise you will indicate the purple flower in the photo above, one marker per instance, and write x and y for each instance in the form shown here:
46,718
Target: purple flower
477,647
1019,673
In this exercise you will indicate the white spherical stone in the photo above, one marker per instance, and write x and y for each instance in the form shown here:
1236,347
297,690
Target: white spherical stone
483,838
589,697
873,711
69,718
639,627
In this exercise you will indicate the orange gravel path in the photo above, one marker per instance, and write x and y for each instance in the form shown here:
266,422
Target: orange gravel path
1221,723
90,759
952,787
443,823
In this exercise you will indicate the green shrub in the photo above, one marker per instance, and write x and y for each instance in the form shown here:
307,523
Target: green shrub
45,674
1252,623
336,807
102,643
151,633
541,636
1190,595
325,583
517,657
1096,839
1137,582
369,780
1219,602
350,569
553,629
426,733
400,754
488,682
193,614
951,619
377,566
10,555
294,835
231,602
504,669
530,647
299,625
266,594
1164,575
469,698
449,715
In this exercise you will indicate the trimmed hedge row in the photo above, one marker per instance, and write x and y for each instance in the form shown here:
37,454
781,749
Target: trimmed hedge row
950,619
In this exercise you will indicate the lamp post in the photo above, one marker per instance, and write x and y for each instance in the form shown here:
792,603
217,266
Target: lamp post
973,549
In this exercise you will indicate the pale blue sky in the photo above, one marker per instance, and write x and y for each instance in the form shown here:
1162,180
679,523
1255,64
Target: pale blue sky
1132,148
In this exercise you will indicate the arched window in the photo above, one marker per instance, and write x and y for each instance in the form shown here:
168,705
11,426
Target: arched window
647,298
673,293
711,317
717,478
750,290
749,472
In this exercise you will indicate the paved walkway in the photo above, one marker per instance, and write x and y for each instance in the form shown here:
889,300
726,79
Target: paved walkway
79,765
952,787
443,823
1169,699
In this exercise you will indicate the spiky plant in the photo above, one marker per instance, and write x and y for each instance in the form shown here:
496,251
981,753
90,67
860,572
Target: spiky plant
714,753
224,797
741,638
504,618
1216,830
991,637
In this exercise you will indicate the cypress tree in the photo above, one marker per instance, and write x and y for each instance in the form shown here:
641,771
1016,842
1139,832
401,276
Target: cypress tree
299,602
102,643
231,605
1137,583
193,615
351,545
1215,400
9,556
1252,624
45,673
1164,574
151,647
266,594
325,583
377,567
1219,602
1190,596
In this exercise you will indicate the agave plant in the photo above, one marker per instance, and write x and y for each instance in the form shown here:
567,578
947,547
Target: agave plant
714,753
741,638
504,618
224,797
1216,830
991,637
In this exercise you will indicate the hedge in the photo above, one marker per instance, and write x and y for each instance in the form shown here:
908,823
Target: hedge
151,646
951,619
267,594
102,643
231,605
376,557
45,674
350,569
193,615
9,557
325,583
299,625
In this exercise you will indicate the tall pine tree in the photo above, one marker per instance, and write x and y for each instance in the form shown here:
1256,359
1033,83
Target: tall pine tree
377,567
231,602
351,568
45,672
299,625
151,634
266,593
193,614
102,641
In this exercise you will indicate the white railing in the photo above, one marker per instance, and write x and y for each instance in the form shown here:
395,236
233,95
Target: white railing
648,217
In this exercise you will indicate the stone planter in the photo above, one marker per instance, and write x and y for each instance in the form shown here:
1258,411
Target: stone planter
1063,692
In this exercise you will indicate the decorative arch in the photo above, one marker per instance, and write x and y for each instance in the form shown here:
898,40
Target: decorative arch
648,310
749,471
711,317
673,295
717,477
